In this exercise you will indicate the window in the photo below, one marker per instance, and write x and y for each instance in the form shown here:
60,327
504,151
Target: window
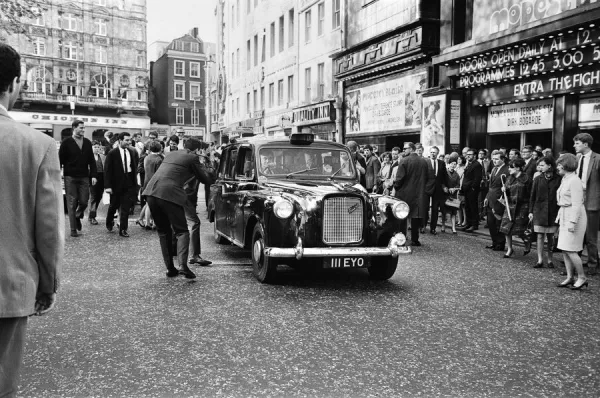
194,91
280,92
141,96
237,106
233,64
70,90
100,25
178,45
232,107
101,87
272,39
262,98
248,6
248,109
139,33
321,22
101,2
140,60
39,20
179,68
462,27
264,49
39,46
233,15
195,117
255,50
195,47
237,14
255,3
291,28
307,22
69,21
70,50
281,34
321,77
179,116
271,95
248,55
307,85
194,69
237,62
179,90
255,102
336,14
100,53
290,97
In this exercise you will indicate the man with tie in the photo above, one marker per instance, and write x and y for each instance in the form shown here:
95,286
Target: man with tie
470,188
438,197
120,181
97,189
494,209
530,164
588,170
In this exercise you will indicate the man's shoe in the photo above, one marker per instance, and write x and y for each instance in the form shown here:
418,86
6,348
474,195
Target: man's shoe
93,221
471,229
172,272
422,230
499,248
78,221
199,261
415,243
187,273
109,227
74,233
124,234
492,246
433,232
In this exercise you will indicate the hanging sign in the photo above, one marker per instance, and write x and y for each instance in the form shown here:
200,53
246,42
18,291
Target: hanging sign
535,115
589,111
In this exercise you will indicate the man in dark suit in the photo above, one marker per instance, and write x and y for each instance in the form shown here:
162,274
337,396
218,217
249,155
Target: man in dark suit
120,181
487,165
97,189
438,197
530,163
412,179
166,198
470,188
373,165
359,161
494,209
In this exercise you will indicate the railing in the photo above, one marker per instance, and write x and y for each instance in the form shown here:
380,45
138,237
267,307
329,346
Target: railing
98,101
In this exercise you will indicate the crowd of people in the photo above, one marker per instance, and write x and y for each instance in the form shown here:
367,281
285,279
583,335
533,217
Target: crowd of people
524,193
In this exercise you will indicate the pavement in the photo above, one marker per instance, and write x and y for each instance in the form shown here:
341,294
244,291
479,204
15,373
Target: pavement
454,320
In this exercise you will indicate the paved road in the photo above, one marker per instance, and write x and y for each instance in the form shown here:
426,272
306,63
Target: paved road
455,320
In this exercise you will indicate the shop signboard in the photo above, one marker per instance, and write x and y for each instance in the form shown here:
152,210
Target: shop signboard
433,132
589,111
523,116
455,108
506,16
90,121
323,112
387,105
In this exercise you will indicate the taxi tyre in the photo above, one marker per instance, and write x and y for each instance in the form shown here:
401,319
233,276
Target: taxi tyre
220,240
382,268
264,268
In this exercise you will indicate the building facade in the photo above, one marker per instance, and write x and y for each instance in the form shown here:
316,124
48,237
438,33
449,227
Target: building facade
84,60
178,86
385,71
523,72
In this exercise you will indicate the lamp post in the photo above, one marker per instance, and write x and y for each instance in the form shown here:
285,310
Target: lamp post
197,98
207,92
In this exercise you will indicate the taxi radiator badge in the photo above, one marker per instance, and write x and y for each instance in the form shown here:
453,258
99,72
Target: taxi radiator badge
352,208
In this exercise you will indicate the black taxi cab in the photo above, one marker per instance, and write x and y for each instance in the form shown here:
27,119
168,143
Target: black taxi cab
298,202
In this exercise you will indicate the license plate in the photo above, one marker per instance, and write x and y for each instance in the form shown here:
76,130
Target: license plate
345,262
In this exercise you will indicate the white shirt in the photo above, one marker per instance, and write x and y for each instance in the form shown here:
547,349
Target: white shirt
586,163
126,167
434,165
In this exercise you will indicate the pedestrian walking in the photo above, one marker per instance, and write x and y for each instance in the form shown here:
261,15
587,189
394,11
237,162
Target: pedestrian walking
572,219
412,179
470,188
151,163
588,171
166,197
543,208
120,181
96,190
494,209
516,213
32,227
79,166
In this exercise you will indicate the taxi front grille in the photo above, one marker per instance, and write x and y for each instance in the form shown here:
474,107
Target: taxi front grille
342,220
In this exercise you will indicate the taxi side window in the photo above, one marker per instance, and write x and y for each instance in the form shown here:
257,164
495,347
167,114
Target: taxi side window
230,172
223,163
245,164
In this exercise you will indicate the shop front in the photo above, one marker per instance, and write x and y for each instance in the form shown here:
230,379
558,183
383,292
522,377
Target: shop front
58,126
535,86
278,125
318,119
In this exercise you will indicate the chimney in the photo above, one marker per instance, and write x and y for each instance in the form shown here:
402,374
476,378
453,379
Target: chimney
194,33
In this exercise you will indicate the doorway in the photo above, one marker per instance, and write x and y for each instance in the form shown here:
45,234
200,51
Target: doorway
543,138
508,141
399,140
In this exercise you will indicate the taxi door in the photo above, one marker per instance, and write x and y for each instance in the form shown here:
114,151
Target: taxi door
245,177
225,196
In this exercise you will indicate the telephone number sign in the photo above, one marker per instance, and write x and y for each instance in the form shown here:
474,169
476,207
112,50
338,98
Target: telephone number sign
531,50
549,63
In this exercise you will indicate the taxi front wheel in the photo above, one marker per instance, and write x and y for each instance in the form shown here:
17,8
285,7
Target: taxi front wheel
264,268
382,268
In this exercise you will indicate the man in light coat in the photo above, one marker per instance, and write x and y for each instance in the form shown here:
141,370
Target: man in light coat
588,170
32,227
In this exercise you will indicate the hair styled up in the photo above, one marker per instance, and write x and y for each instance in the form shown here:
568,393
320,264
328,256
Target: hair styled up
568,161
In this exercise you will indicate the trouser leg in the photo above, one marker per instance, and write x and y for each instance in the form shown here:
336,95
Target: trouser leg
415,224
471,208
83,196
71,193
115,203
591,237
126,201
163,228
12,343
96,192
193,223
435,208
498,237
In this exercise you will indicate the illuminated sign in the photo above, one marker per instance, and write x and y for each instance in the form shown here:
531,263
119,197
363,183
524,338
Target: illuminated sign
527,116
589,111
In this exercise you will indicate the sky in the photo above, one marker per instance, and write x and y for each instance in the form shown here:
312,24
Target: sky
169,19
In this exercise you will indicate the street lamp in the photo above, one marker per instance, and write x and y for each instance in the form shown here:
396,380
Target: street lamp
197,98
206,103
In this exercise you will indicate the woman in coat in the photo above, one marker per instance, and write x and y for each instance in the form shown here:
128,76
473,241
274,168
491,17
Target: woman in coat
517,191
543,207
453,188
572,220
461,163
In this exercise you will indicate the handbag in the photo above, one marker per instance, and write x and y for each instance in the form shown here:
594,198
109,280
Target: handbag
453,202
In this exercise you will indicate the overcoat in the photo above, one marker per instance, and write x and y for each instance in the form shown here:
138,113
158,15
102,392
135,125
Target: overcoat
371,171
517,190
542,202
413,177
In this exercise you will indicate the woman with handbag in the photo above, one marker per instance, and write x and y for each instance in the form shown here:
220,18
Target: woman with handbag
543,207
516,214
572,219
452,201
